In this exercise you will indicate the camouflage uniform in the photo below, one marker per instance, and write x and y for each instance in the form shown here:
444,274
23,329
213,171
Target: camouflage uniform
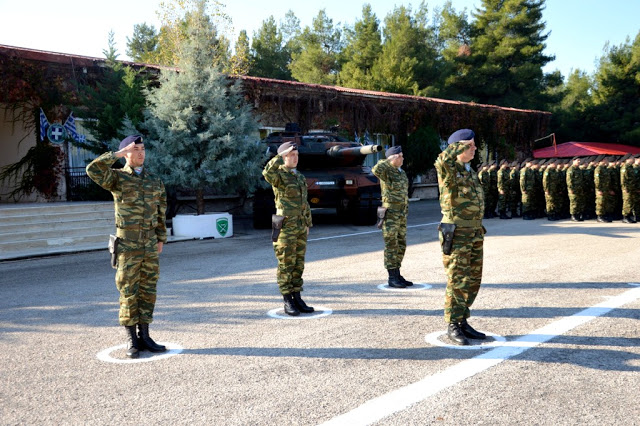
576,187
514,183
140,207
462,203
527,188
504,191
485,181
395,189
603,186
629,187
290,189
552,191
492,200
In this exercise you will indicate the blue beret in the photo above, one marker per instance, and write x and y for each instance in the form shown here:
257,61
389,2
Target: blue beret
127,141
285,146
393,151
461,135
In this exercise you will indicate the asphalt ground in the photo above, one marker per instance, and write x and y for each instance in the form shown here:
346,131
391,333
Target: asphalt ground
559,298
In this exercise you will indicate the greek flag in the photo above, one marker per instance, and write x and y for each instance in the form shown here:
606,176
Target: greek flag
367,138
70,125
44,125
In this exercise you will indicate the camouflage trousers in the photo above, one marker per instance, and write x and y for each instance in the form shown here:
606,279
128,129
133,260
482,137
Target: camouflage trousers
515,201
290,250
627,203
394,234
136,279
552,203
605,204
464,273
528,203
577,203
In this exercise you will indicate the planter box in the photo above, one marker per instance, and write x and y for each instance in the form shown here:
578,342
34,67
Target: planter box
216,225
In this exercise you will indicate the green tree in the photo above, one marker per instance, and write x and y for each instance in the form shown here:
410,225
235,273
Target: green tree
317,61
141,47
506,59
200,127
421,150
363,47
617,93
269,55
395,69
118,93
240,61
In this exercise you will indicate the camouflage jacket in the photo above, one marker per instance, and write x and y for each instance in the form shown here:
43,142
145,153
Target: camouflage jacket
576,180
289,188
628,180
514,180
602,179
461,195
394,185
551,181
504,185
527,180
140,200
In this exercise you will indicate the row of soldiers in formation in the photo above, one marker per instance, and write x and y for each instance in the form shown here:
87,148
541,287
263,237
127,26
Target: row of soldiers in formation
597,187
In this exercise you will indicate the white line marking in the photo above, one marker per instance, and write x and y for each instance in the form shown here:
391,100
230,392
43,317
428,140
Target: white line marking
173,349
402,398
414,287
320,311
434,339
367,232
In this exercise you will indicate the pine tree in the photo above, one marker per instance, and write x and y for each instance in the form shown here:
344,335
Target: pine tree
117,94
200,128
363,47
240,61
317,61
141,47
506,60
395,69
269,56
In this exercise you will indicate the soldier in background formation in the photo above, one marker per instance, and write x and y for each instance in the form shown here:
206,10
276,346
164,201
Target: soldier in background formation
604,188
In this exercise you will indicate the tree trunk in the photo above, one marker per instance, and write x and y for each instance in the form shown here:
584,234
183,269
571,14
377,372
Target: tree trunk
199,201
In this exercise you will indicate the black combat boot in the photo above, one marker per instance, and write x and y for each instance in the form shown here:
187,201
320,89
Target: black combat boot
628,219
575,218
469,331
394,279
454,331
504,215
146,342
290,307
132,342
302,307
404,281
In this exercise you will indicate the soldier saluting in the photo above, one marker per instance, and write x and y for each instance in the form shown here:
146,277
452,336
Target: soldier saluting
291,225
461,233
395,208
140,206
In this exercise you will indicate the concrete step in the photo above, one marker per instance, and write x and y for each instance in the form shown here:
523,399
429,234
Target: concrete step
31,209
54,242
48,233
19,228
51,217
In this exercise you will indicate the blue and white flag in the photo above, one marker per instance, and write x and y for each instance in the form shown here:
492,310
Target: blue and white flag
70,125
367,138
44,124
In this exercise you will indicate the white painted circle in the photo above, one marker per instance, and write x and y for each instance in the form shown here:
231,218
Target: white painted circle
320,311
414,287
434,339
145,356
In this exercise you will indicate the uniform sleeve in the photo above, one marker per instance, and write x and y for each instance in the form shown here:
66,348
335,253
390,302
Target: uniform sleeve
100,171
161,229
270,171
381,169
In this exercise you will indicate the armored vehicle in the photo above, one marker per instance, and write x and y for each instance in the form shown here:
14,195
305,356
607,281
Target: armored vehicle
335,174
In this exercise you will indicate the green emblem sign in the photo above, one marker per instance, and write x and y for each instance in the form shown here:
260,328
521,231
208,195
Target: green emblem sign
222,225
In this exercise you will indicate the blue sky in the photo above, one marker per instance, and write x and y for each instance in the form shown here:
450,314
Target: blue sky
579,28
